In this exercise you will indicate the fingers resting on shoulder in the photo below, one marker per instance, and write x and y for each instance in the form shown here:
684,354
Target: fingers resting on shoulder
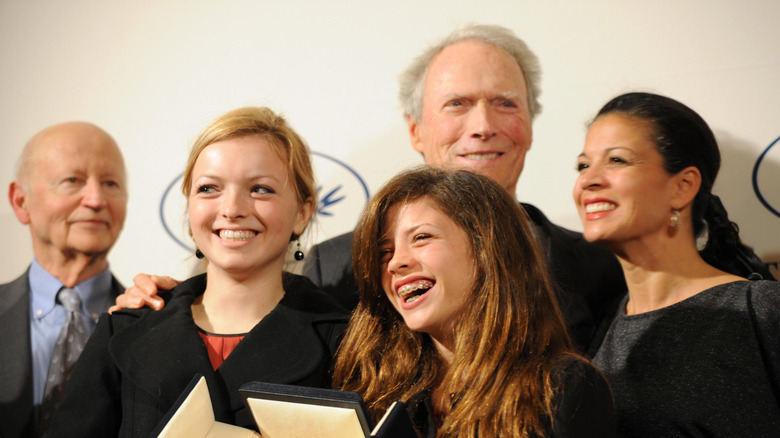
144,292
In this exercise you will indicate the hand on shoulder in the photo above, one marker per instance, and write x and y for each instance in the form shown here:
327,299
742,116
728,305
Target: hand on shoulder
143,292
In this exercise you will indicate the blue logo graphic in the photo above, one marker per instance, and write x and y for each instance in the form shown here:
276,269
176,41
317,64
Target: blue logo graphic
765,174
166,210
342,195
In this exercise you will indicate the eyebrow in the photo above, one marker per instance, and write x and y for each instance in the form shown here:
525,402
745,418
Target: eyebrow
385,239
609,149
412,229
250,178
510,95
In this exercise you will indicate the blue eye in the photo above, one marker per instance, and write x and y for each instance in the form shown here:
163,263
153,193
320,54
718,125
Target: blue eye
262,189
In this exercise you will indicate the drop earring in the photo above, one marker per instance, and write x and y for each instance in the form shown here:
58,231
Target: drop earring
198,254
675,219
298,253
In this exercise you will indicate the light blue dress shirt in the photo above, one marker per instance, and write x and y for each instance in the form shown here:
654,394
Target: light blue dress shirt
47,316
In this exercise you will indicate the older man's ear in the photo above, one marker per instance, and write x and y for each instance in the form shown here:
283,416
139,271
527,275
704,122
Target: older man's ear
17,197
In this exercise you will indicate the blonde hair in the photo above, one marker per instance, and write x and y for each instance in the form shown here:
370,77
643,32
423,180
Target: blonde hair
288,145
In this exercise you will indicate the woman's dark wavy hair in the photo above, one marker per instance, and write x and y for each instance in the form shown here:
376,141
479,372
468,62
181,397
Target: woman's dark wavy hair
684,139
510,340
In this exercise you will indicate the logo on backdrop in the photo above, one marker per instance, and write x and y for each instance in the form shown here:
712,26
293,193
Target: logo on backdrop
765,177
765,183
342,195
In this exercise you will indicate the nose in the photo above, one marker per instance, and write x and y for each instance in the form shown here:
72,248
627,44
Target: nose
590,178
234,205
94,195
400,261
481,123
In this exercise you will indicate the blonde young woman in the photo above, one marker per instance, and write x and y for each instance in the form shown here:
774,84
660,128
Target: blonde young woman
250,191
457,317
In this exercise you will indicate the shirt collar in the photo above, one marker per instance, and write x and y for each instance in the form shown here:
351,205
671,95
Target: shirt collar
44,287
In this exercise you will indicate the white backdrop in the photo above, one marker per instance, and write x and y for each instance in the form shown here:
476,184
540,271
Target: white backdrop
153,74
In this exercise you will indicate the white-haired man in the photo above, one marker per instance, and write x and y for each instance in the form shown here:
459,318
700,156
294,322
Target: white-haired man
70,190
469,101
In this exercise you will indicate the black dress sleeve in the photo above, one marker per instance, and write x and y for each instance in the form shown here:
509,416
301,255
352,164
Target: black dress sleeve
763,305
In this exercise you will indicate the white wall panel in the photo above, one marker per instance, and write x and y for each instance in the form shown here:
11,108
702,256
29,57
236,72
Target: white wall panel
154,73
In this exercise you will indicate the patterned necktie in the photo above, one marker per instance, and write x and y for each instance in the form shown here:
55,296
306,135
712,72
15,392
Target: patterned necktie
69,345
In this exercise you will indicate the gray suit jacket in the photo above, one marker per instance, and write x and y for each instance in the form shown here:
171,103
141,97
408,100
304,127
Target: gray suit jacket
17,417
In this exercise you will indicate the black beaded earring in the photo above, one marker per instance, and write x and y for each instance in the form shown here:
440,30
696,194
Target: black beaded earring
198,254
298,253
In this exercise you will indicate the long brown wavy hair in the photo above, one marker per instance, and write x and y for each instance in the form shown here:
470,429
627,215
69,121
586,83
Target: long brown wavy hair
510,339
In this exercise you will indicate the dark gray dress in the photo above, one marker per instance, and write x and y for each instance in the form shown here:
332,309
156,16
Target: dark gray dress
708,366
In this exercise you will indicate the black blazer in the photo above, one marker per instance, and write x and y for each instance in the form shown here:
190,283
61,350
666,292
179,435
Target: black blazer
586,277
138,362
16,390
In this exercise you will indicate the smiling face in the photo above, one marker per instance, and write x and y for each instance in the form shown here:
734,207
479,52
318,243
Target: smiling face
623,192
427,267
475,113
71,192
242,206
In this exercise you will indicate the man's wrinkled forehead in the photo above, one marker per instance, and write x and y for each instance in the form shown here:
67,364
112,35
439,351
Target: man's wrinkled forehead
62,145
460,68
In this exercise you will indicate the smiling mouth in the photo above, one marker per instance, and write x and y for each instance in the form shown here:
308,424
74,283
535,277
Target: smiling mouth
485,156
598,207
411,292
236,235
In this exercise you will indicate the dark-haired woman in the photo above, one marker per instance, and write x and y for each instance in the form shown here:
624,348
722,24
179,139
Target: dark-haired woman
693,349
